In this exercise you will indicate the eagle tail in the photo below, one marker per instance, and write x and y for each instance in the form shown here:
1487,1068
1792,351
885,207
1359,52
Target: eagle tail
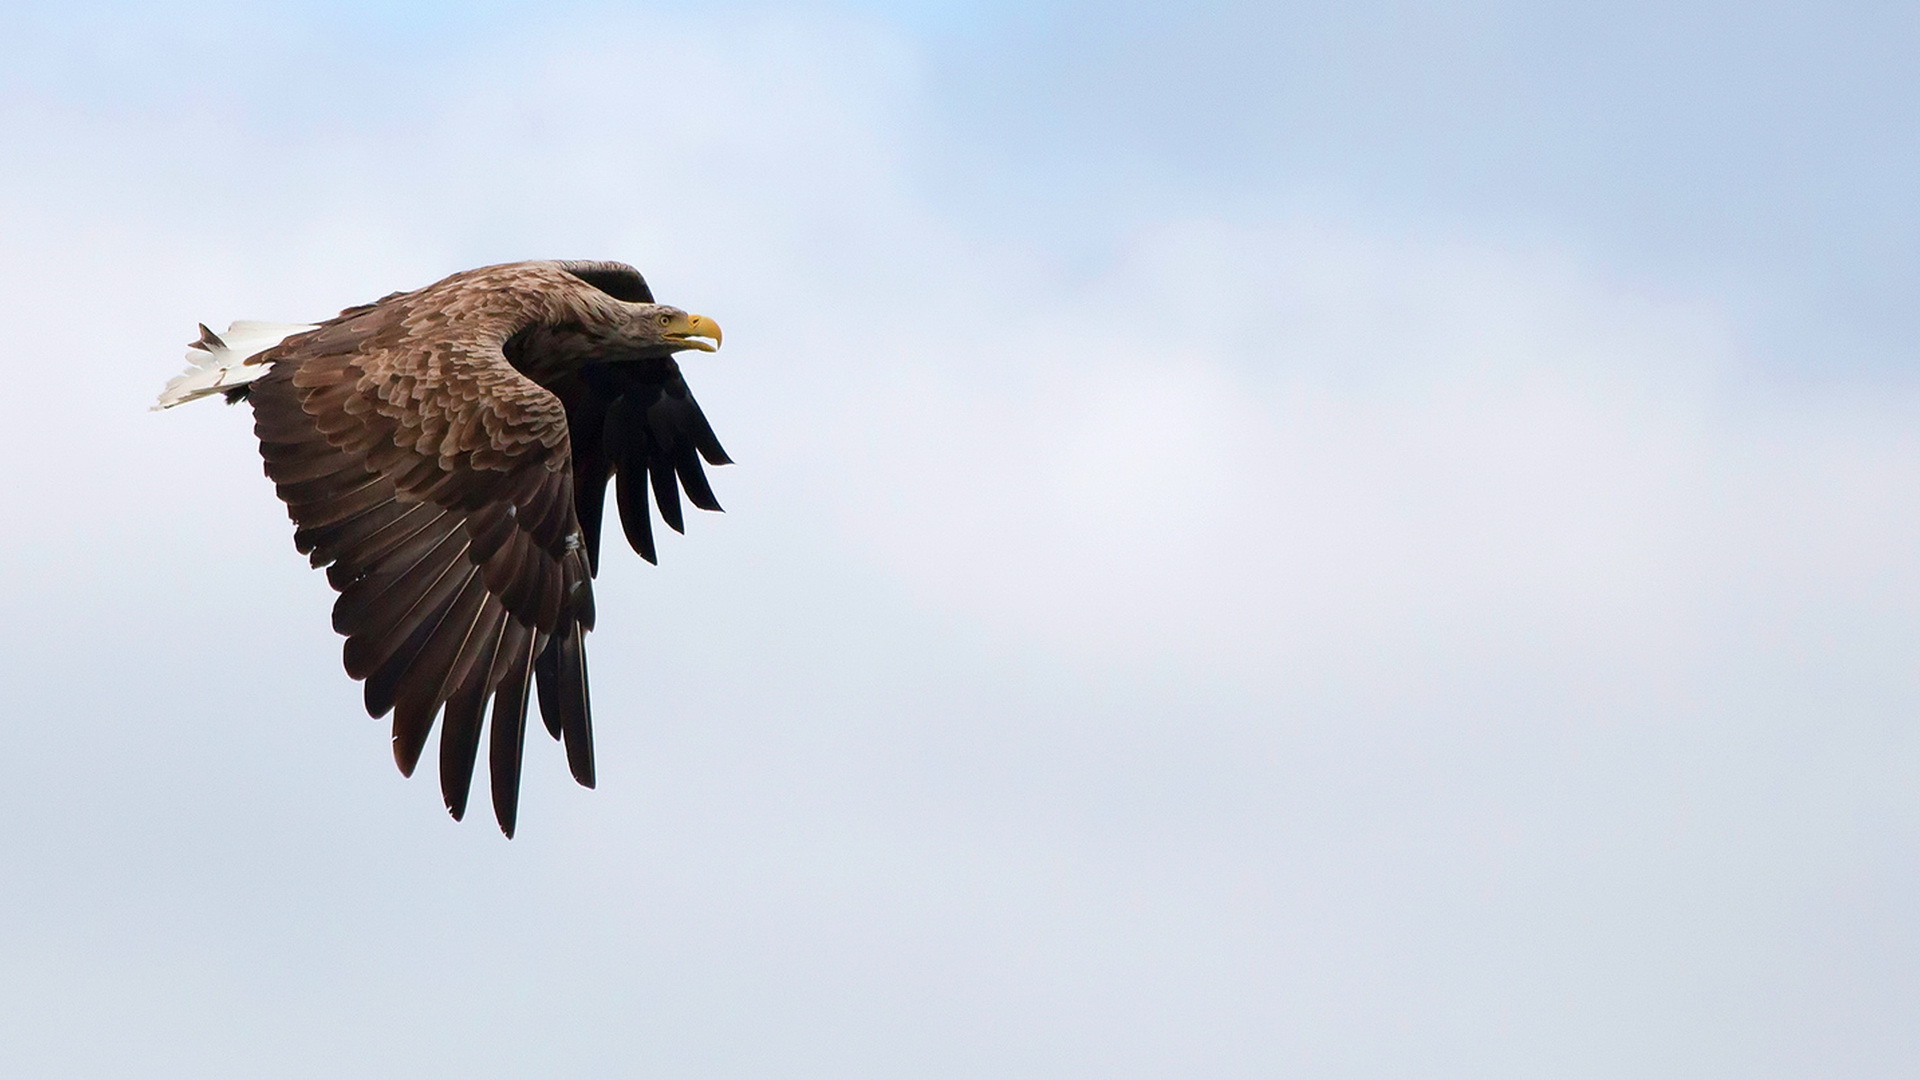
224,363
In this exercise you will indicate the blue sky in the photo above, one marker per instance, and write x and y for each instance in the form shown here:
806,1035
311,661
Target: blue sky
1764,151
1268,540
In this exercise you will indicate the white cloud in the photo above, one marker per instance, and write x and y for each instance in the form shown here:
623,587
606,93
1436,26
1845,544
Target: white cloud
1346,448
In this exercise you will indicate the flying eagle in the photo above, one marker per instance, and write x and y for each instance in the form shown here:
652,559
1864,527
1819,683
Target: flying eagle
445,453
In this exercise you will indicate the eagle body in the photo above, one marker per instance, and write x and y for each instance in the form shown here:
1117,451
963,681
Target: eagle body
444,453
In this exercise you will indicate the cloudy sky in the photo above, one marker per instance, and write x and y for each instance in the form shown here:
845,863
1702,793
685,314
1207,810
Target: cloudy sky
1270,540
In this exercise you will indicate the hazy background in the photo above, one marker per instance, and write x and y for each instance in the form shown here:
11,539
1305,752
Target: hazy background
1272,540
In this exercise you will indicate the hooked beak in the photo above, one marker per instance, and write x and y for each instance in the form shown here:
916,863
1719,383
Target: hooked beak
696,327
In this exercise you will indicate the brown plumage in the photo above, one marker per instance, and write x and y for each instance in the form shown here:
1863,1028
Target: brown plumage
445,453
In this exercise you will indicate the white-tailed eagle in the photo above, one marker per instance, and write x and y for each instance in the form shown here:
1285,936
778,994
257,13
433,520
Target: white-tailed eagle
445,454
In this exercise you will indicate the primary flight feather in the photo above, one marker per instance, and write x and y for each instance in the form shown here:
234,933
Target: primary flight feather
445,454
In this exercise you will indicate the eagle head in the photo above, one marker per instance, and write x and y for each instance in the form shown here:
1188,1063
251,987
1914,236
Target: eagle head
661,329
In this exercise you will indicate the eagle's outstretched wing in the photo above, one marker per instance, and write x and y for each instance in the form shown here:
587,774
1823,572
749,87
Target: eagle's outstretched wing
434,483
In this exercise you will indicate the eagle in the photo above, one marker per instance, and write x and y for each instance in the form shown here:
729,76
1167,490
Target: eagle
445,453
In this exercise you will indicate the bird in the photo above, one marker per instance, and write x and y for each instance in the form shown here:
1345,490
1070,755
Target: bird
444,453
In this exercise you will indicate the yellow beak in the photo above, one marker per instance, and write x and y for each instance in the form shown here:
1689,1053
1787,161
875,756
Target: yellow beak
698,326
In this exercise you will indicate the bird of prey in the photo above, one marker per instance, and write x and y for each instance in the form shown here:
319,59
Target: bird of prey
445,454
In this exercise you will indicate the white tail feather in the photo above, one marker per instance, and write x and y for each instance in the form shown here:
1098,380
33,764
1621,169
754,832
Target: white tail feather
219,361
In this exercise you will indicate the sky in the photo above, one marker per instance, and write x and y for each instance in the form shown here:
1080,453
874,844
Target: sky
1268,540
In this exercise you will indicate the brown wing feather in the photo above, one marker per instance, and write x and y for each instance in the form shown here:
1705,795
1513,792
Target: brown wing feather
433,481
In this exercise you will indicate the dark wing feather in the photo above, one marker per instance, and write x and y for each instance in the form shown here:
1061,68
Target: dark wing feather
630,490
432,480
509,731
637,423
561,670
618,280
